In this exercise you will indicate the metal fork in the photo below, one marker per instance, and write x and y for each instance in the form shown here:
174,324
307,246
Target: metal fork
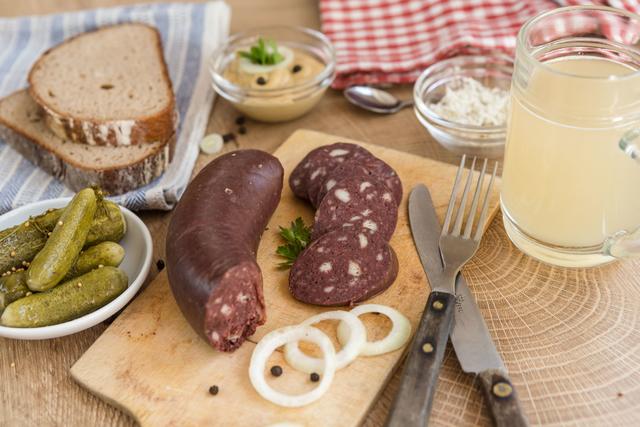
413,402
457,249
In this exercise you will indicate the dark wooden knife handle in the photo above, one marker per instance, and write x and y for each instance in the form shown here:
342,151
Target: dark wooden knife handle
412,404
502,399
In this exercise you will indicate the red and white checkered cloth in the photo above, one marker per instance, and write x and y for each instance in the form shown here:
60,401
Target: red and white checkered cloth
392,41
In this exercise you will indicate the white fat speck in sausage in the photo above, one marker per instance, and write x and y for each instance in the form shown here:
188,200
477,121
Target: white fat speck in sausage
363,240
365,185
325,267
225,310
342,195
337,152
371,225
354,269
315,173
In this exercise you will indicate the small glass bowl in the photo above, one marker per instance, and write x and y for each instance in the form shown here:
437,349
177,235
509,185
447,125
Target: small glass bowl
277,104
490,70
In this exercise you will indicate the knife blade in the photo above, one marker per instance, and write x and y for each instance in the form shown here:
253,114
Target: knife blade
470,336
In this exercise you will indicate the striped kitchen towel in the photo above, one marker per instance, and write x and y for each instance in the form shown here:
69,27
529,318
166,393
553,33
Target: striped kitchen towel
190,33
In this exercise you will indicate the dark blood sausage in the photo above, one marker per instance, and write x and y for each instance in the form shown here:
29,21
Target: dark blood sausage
385,172
369,164
310,172
343,171
343,267
212,242
357,197
359,201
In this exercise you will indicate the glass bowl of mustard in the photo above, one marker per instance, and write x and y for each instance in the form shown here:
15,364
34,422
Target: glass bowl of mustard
274,90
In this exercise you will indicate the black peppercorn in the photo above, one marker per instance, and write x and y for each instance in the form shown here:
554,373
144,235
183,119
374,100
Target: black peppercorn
297,68
276,371
242,130
240,120
213,390
160,265
261,81
228,137
314,377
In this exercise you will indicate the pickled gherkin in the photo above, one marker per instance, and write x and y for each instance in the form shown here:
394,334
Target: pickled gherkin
14,286
21,243
67,301
60,251
105,253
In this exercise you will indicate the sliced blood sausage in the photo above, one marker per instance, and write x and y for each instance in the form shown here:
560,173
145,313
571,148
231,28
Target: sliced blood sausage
342,172
382,170
343,267
345,170
367,163
360,201
212,242
310,172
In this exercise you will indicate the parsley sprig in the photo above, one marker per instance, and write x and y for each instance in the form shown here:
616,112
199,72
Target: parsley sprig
264,52
296,238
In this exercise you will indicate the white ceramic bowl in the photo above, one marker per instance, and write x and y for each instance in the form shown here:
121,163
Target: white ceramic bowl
137,260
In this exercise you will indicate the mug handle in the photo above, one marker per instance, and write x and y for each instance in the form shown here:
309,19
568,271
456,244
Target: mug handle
625,244
629,144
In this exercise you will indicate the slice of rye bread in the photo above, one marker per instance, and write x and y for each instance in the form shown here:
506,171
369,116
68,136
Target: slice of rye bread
115,169
108,86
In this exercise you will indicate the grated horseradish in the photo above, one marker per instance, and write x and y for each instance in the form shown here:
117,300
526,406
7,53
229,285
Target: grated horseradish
469,102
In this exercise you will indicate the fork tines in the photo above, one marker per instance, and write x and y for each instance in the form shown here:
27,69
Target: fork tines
457,226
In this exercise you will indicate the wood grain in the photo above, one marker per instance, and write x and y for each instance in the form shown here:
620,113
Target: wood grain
132,377
570,337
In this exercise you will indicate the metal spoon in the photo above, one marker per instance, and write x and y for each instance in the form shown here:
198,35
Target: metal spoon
376,100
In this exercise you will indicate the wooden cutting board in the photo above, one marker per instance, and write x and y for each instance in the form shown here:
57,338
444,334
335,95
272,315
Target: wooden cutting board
152,365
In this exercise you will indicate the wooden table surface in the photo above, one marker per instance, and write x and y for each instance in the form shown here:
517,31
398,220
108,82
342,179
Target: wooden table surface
35,386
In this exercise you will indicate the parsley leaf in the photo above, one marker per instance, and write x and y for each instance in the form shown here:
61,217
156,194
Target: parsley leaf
263,53
296,238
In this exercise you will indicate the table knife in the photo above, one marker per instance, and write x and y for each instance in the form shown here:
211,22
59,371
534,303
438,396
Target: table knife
470,337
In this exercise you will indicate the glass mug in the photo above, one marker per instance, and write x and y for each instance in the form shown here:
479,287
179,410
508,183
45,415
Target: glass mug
571,178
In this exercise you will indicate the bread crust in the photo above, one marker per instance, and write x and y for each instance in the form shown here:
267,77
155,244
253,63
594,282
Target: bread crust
113,180
149,129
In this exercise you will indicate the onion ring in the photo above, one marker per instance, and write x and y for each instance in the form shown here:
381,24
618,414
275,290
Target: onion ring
357,337
397,337
282,336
